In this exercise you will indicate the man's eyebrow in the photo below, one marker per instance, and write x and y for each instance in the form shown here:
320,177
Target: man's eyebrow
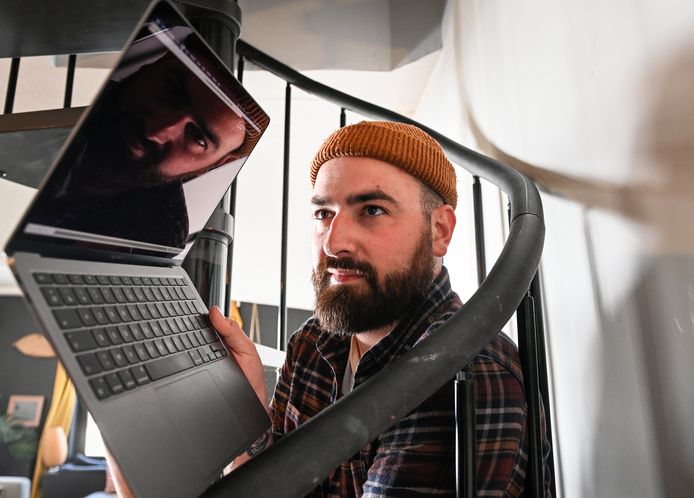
371,195
361,197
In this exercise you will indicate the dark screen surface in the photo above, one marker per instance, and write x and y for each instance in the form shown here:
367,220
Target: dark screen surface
154,154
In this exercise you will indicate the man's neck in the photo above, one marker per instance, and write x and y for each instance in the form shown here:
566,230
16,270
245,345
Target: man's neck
368,339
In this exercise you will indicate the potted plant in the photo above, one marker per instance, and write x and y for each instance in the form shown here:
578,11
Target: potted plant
18,445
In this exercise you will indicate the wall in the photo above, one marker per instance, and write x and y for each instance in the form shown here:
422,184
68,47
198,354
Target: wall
595,100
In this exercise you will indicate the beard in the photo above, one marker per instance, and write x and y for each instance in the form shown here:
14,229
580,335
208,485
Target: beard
348,310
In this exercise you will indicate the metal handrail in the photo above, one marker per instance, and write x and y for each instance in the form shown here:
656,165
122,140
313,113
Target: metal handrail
340,431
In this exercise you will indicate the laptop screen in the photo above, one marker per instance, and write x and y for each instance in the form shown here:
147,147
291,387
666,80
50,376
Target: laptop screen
160,145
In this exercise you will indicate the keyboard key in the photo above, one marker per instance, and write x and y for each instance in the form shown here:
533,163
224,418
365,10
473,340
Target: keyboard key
181,294
201,338
181,324
209,336
59,278
178,343
163,312
80,341
134,312
140,375
43,278
82,295
100,315
125,333
100,388
119,295
173,325
101,337
189,323
153,311
106,360
90,365
139,294
75,279
146,315
161,347
156,281
127,379
158,294
130,354
137,280
68,296
170,309
152,349
123,313
119,357
103,279
141,351
195,355
193,340
89,279
186,342
129,294
126,281
165,328
114,280
188,292
146,281
170,346
51,296
156,329
149,294
112,314
170,365
147,330
109,297
86,316
114,383
95,294
136,331
114,335
166,294
171,281
67,319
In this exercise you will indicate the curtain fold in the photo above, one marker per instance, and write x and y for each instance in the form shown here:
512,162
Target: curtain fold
60,414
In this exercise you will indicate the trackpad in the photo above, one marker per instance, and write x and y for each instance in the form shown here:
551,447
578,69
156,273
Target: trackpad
205,421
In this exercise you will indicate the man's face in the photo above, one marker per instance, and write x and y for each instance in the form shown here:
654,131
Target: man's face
164,124
372,244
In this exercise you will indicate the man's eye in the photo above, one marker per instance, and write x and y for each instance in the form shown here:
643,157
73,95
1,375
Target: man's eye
196,135
374,210
322,214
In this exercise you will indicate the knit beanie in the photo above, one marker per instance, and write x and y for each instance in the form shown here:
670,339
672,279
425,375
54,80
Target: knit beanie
401,145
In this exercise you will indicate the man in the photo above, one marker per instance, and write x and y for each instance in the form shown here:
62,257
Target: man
157,126
383,203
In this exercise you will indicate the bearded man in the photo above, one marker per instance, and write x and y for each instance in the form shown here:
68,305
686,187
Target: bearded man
383,200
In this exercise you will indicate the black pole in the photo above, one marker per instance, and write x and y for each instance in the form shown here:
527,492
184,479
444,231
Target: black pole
12,85
343,117
70,80
231,194
479,229
527,345
541,349
282,312
465,437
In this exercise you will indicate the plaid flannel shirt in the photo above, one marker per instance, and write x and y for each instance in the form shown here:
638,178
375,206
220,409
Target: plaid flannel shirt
416,456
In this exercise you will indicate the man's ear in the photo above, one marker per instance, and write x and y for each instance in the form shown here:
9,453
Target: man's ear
442,225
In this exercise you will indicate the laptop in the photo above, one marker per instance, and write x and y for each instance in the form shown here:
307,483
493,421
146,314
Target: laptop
99,250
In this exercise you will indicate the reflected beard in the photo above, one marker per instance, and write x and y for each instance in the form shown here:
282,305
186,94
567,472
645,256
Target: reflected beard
346,310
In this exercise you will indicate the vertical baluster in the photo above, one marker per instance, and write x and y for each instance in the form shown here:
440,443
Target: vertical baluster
282,312
70,80
479,230
343,117
12,85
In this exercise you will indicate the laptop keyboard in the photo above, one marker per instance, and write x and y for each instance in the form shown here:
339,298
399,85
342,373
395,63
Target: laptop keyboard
128,331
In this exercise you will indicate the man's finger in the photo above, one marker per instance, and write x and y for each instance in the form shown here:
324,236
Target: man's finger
232,334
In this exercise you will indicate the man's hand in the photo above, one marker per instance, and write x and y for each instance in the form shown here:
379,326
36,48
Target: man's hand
243,349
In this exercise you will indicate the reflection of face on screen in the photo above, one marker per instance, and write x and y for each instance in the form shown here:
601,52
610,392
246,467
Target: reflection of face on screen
161,124
156,125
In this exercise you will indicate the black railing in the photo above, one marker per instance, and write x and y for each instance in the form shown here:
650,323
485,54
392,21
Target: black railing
325,441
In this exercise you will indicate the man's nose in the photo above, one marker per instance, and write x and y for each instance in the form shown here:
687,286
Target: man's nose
168,129
340,238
